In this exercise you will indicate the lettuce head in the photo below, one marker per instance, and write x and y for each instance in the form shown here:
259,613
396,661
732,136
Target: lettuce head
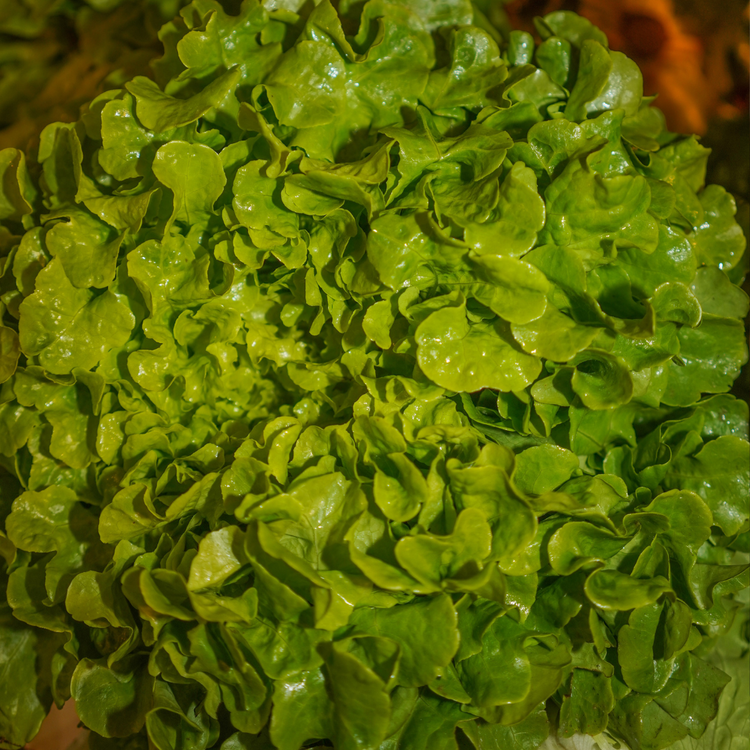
365,377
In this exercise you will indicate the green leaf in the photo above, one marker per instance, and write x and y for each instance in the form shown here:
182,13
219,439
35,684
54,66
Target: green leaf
159,111
553,56
25,699
204,49
361,706
170,725
128,148
61,155
430,723
14,199
194,174
520,47
717,295
409,250
487,488
400,497
517,291
642,722
543,468
501,672
125,695
435,560
86,248
613,590
676,303
513,225
601,380
555,142
553,336
301,710
642,668
689,518
719,474
281,648
586,210
623,90
54,521
586,709
711,354
593,73
323,507
220,554
577,544
461,356
10,351
706,683
426,629
719,240
528,734
474,617
729,728
474,76
672,259
65,327
258,205
296,77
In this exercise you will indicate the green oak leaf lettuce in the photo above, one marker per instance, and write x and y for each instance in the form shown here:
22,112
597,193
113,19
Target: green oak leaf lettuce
364,380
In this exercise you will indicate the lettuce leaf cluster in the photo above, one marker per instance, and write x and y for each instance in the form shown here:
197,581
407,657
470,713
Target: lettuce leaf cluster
364,380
